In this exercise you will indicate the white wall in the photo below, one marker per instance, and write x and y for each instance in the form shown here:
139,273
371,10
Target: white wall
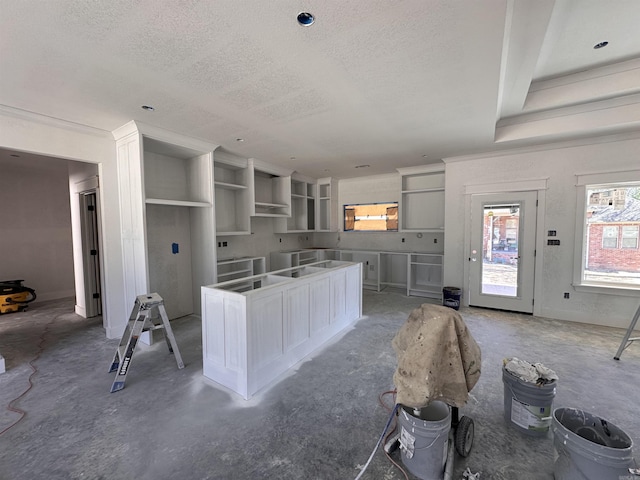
27,132
559,166
36,226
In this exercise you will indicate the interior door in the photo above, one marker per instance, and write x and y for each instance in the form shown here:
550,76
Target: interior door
502,251
90,253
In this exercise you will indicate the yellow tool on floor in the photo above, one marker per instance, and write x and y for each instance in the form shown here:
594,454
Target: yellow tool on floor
15,297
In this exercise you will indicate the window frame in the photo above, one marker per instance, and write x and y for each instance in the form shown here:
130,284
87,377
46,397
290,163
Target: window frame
583,184
636,236
607,237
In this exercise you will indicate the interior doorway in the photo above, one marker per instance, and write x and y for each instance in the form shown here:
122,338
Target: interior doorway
502,251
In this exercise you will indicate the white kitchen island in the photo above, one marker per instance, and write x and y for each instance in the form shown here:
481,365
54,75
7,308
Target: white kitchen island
254,329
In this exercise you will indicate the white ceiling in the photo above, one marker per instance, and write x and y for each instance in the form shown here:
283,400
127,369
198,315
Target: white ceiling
385,83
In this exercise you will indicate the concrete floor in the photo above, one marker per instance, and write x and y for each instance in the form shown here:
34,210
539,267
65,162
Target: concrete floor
320,422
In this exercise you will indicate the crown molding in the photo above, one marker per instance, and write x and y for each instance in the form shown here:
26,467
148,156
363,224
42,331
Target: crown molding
14,112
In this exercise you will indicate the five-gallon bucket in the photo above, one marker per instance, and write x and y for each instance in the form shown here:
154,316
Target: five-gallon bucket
589,448
451,297
424,439
528,406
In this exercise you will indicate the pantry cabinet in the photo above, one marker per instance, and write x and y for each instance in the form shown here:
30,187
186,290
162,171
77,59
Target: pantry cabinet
167,215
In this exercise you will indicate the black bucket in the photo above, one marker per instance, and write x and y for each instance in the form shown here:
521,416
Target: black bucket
451,297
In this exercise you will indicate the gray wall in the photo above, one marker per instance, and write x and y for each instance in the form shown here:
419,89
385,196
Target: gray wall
35,230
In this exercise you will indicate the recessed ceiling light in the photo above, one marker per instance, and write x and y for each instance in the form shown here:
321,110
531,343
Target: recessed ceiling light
148,108
424,156
239,139
305,19
293,158
15,155
600,45
363,166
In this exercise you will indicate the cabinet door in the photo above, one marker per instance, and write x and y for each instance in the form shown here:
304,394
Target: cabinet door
320,305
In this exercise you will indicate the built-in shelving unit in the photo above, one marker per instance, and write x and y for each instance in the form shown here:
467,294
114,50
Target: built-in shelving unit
303,206
413,274
292,258
394,271
232,194
422,198
270,190
370,266
243,267
167,215
327,217
425,278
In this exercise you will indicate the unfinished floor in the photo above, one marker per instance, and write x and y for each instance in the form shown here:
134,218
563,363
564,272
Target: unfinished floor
320,422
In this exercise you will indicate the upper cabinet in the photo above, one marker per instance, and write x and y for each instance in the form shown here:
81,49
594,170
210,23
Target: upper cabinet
327,205
232,193
422,198
303,206
270,190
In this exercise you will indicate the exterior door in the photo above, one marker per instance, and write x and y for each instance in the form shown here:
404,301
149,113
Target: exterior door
502,251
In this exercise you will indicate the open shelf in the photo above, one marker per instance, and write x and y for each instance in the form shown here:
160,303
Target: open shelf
422,199
231,183
176,203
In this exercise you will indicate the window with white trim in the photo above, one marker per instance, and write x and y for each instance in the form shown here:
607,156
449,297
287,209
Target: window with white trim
610,237
630,236
607,230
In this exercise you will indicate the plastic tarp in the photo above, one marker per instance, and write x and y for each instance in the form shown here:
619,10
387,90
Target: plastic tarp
438,359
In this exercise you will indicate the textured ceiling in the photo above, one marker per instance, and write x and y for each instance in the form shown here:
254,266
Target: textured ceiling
387,83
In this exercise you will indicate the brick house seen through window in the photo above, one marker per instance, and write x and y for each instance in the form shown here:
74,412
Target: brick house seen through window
613,227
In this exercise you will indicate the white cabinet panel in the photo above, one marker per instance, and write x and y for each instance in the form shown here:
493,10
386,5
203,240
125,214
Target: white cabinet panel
298,315
338,296
319,307
266,330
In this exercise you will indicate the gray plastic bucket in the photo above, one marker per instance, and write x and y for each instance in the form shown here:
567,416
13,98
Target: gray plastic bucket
424,439
527,406
589,448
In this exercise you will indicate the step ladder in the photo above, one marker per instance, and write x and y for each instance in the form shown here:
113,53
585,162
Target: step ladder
144,317
626,341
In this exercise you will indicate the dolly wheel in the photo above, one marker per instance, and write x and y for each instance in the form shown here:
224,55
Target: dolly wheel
464,436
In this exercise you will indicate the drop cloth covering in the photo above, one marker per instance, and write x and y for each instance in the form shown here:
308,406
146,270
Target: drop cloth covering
438,359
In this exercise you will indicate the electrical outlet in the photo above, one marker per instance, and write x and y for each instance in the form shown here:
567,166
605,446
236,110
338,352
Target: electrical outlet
435,240
224,244
219,244
403,240
566,294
